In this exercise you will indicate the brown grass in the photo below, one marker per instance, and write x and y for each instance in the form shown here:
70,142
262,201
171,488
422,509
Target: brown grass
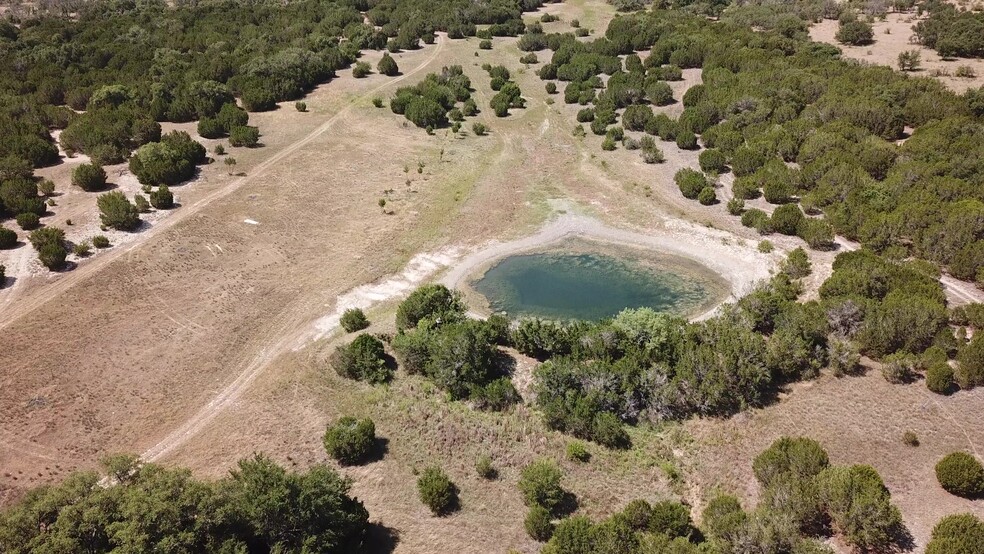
118,353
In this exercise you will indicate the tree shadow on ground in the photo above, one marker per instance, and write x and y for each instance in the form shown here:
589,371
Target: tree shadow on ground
380,539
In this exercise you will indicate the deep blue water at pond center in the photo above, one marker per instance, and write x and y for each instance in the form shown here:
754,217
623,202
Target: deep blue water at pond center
561,285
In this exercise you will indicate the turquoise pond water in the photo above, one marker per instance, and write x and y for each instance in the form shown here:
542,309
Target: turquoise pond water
559,285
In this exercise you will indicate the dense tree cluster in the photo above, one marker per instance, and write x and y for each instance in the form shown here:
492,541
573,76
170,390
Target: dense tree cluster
799,125
259,507
130,65
804,500
459,354
887,307
950,31
803,496
168,162
642,365
427,103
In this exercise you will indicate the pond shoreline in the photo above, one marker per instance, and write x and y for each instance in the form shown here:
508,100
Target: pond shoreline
738,266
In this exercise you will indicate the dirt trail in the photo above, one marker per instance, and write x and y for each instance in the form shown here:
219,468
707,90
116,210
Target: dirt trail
10,312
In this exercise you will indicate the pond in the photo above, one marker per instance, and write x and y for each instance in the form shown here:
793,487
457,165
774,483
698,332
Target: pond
591,285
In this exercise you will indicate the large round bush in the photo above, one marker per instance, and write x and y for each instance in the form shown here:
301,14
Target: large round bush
8,238
89,177
961,474
437,491
939,378
539,524
957,534
350,441
364,359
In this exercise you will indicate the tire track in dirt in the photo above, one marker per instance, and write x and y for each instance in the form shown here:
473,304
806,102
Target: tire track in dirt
80,273
290,329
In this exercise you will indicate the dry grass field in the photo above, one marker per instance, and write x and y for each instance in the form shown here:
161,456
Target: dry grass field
203,338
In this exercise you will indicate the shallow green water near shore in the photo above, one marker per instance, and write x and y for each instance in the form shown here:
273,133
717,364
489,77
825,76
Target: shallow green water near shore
589,286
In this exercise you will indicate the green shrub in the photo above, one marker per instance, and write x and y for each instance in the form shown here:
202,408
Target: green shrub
540,484
437,492
786,218
479,128
354,319
574,535
364,359
3,275
551,87
817,233
660,93
377,102
690,182
8,238
117,212
141,203
350,441
686,140
539,524
723,516
859,506
607,430
797,458
100,241
757,219
797,264
387,65
910,439
671,518
162,198
485,44
244,135
300,106
82,249
957,534
433,302
713,160
210,128
736,206
46,187
637,514
577,452
484,467
496,396
361,69
855,33
707,196
89,177
970,364
49,242
961,474
939,379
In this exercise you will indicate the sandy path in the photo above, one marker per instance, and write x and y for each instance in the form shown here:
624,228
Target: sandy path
12,313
